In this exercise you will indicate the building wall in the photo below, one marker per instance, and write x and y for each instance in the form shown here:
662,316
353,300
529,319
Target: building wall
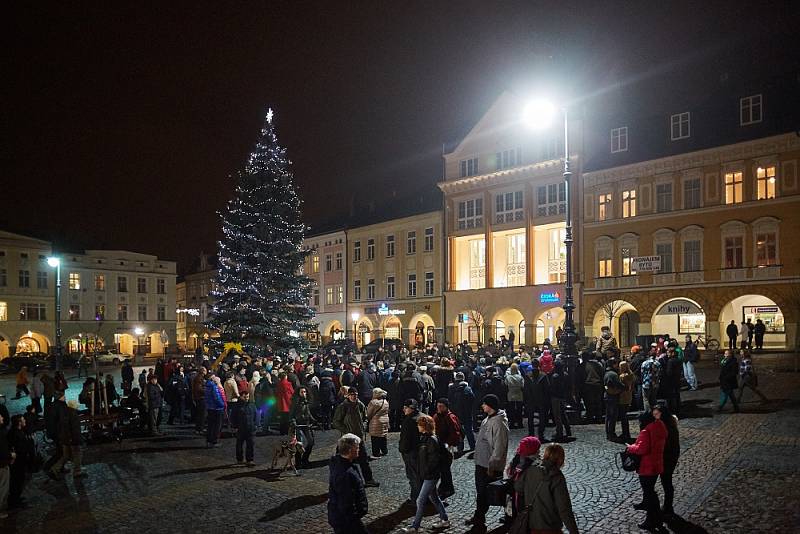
328,299
411,310
99,285
21,253
720,290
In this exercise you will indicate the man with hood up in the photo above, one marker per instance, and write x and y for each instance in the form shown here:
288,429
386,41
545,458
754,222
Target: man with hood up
491,448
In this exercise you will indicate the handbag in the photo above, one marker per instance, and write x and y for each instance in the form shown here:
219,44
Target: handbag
520,525
496,492
629,461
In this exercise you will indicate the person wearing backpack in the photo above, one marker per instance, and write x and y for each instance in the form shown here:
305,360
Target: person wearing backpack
448,430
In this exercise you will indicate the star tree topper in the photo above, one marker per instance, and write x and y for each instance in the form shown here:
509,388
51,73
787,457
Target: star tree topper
269,115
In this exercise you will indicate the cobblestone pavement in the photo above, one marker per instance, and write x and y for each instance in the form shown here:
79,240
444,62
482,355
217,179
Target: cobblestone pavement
737,473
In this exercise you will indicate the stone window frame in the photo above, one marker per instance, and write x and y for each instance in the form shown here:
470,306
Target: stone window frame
604,244
766,225
664,236
628,241
733,228
692,232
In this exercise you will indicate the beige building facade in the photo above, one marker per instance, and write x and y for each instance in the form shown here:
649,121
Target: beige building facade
27,295
194,300
395,279
505,206
327,266
720,225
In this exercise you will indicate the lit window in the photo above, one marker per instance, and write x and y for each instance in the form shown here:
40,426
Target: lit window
680,126
470,214
329,295
508,207
627,256
604,207
733,187
750,110
765,181
604,263
99,282
428,239
469,167
3,311
766,249
314,263
629,203
389,246
619,139
339,294
99,312
477,264
74,280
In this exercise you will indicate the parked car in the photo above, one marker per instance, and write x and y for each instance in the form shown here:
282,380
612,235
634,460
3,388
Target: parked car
69,360
340,345
372,346
111,356
18,361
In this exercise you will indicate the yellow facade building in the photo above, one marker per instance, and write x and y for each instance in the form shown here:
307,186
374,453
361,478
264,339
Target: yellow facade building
720,224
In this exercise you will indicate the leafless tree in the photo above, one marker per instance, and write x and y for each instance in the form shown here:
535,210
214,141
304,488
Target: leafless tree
477,314
611,309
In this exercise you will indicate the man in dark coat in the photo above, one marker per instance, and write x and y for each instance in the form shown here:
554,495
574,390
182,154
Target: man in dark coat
462,402
69,436
347,498
245,428
409,439
733,332
728,381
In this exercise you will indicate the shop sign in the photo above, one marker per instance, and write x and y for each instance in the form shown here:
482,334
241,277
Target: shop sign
645,264
679,307
767,309
547,298
383,309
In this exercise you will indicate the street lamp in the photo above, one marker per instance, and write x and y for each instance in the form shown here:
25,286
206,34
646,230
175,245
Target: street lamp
540,114
355,316
55,262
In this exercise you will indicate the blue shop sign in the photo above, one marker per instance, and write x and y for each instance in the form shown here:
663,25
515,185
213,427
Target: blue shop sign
546,298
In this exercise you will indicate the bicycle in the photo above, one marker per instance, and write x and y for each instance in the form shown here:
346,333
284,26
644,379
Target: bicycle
708,343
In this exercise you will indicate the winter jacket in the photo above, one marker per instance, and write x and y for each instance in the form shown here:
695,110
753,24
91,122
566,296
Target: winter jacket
366,381
537,391
732,331
546,363
728,374
327,391
429,457
231,390
491,444
673,371
409,434
558,383
347,499
410,388
626,397
613,384
606,344
244,418
462,401
515,384
349,418
443,378
154,396
672,447
300,411
283,393
649,447
594,372
544,485
199,388
213,398
378,418
448,428
651,374
69,428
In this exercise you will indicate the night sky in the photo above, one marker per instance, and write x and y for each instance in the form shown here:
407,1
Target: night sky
121,126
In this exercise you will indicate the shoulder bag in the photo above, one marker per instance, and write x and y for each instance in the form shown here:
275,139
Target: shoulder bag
629,461
520,525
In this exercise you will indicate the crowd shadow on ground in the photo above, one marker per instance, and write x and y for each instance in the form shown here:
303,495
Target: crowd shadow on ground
679,525
292,505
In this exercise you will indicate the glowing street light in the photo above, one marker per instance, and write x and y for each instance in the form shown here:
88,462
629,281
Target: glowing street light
540,114
354,316
55,262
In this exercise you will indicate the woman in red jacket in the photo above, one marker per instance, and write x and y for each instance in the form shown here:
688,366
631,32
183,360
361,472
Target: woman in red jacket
649,447
284,392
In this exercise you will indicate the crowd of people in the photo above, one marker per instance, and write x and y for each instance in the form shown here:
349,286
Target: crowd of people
444,400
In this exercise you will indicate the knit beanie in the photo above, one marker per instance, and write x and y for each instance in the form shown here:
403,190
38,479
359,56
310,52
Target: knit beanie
492,401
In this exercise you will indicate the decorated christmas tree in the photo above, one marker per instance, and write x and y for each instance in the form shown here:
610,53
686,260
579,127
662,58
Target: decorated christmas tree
262,297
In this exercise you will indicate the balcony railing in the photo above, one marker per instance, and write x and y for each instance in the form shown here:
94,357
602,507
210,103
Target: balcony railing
733,275
557,266
766,272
